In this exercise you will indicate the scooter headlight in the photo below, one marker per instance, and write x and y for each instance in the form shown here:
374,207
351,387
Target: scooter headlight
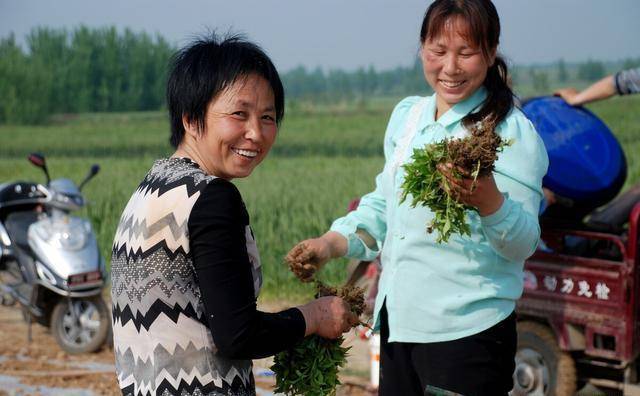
66,233
68,240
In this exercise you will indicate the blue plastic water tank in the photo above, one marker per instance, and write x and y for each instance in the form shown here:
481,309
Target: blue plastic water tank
586,162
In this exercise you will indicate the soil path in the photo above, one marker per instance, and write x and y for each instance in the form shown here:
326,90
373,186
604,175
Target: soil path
42,368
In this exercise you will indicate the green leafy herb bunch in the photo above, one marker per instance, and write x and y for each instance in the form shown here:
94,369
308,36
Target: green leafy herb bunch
474,155
311,367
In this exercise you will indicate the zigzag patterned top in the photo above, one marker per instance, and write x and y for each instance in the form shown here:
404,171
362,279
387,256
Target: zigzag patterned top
185,279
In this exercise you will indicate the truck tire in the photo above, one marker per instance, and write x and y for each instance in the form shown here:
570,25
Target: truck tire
541,367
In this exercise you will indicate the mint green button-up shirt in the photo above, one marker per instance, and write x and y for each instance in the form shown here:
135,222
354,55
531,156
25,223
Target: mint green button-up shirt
440,292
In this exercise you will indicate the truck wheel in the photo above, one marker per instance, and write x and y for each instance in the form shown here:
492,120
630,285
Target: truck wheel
85,329
542,369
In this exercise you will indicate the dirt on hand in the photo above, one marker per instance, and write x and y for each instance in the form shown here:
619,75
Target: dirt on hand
301,263
352,295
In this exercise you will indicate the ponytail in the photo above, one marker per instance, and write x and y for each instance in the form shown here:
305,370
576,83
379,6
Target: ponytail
499,101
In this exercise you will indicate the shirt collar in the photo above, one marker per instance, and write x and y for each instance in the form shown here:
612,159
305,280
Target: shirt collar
455,113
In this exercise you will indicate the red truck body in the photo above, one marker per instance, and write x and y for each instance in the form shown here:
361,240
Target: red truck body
590,301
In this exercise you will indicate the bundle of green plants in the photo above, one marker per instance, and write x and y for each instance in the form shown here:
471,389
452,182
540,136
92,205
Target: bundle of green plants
311,367
471,157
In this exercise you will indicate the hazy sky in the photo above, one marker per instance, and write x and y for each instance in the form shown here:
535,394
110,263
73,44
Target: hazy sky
349,33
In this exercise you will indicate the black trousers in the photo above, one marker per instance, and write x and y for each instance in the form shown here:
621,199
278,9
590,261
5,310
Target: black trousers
478,365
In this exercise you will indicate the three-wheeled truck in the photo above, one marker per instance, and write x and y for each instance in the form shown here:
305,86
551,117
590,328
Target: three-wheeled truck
578,319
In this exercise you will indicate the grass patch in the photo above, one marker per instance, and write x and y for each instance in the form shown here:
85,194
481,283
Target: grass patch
322,159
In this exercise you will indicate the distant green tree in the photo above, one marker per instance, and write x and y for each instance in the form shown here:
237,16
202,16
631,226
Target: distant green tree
630,63
358,85
339,85
514,74
295,81
591,70
48,51
11,70
360,82
317,84
24,85
540,81
79,70
413,79
563,74
372,81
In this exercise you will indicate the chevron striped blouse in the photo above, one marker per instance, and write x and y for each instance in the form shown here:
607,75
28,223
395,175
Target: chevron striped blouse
185,279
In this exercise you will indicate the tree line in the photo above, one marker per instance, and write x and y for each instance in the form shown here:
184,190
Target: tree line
102,69
83,70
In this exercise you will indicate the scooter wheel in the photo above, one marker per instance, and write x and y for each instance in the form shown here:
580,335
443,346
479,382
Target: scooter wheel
83,330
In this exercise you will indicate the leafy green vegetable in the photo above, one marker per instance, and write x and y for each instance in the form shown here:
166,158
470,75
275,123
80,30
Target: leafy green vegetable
311,367
475,154
423,182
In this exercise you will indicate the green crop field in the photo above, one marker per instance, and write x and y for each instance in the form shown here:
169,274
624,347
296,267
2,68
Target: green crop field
323,158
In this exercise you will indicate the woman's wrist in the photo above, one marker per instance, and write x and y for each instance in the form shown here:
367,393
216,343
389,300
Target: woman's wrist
309,319
491,206
337,243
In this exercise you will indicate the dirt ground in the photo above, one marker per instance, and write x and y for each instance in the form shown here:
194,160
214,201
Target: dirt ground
42,368
41,364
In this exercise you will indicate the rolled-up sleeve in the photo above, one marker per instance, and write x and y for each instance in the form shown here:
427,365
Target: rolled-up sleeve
369,217
371,214
628,81
513,231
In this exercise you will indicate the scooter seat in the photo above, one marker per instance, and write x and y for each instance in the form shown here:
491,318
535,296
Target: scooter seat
615,214
610,218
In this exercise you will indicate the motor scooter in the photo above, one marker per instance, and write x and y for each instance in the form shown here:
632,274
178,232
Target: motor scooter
50,263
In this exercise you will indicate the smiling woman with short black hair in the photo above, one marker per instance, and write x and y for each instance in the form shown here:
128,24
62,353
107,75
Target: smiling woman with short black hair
185,266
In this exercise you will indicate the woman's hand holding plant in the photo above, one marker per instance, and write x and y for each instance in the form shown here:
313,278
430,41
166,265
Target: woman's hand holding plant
328,317
480,193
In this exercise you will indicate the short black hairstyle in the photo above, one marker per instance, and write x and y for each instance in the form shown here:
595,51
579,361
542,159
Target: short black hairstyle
205,68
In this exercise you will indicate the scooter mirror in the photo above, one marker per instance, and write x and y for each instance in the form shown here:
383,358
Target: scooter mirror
95,168
38,160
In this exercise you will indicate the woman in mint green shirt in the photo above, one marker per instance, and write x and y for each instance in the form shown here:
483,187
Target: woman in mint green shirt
446,310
